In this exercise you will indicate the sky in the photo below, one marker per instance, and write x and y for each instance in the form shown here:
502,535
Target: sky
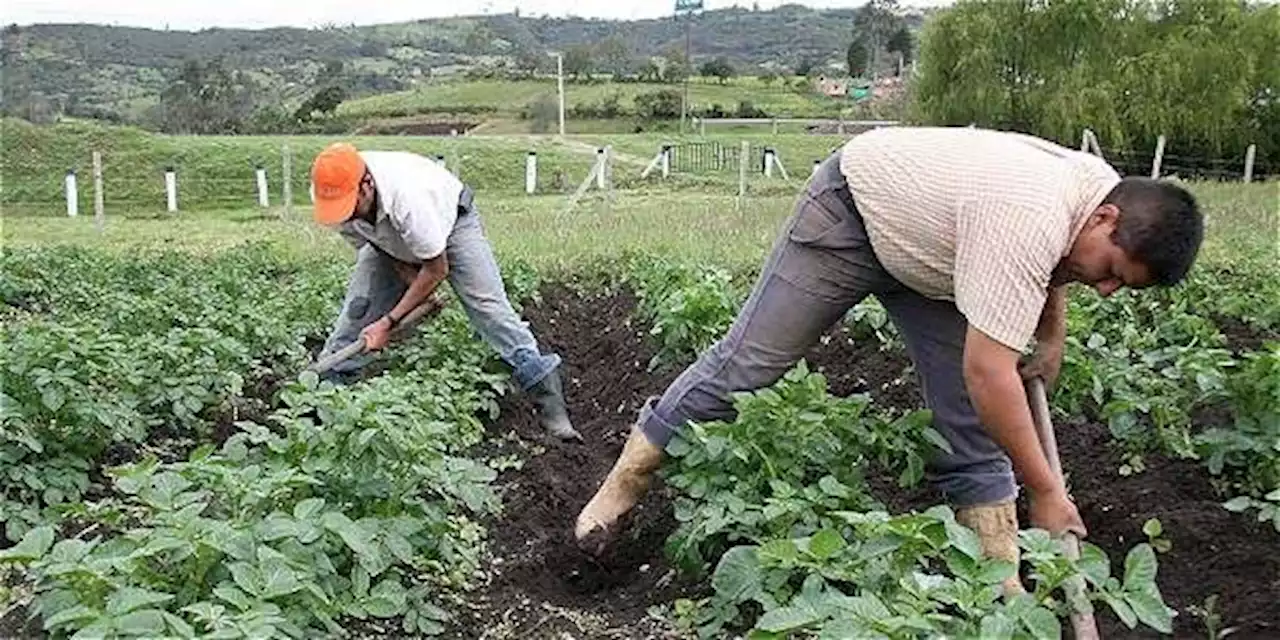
254,14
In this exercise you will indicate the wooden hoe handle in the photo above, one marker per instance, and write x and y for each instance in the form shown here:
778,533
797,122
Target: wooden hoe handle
1082,622
423,311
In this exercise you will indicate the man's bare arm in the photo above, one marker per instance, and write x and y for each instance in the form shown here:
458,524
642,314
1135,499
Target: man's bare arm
424,283
1053,320
995,387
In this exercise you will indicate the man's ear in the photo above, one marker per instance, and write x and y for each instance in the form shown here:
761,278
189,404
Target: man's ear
1108,213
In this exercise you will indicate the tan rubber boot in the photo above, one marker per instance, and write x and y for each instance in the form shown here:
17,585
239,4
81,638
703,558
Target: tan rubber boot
625,485
997,527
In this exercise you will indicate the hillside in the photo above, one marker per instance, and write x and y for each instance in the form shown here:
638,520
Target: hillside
119,72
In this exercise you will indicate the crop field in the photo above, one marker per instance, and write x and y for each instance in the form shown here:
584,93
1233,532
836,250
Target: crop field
166,470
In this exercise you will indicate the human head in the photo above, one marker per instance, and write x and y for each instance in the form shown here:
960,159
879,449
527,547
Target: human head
1145,232
342,183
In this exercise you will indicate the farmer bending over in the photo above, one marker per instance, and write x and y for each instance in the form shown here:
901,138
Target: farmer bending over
414,224
968,238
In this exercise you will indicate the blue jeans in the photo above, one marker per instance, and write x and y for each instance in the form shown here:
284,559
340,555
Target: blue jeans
821,265
374,289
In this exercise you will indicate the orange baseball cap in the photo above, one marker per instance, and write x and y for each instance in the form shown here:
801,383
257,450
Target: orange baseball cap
335,176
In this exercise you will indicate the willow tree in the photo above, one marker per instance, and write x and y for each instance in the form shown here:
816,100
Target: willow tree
1205,73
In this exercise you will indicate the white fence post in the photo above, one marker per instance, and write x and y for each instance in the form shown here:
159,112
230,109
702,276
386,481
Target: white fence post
1159,158
286,158
73,198
263,200
666,160
531,172
600,160
99,213
1248,162
815,167
768,162
440,160
171,189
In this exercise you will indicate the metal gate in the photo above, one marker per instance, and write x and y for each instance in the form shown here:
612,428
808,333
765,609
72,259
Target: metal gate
704,157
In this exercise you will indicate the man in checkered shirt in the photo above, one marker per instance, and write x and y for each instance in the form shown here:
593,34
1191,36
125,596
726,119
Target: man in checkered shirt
968,238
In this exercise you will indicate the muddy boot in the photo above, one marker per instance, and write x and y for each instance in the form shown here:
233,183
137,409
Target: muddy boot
548,395
997,527
625,485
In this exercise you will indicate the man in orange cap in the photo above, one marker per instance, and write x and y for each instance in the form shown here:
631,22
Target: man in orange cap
414,224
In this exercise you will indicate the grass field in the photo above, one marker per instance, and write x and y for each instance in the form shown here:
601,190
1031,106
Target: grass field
218,171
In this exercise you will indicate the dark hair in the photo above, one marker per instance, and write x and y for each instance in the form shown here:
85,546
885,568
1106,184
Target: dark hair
1160,225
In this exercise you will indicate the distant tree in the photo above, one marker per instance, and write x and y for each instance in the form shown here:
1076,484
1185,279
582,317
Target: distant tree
807,65
578,61
769,77
543,112
651,72
325,101
528,61
205,98
874,24
901,42
857,57
662,104
479,39
614,55
675,67
372,49
719,67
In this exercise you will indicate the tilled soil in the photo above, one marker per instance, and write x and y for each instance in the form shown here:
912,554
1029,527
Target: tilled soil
1214,552
1242,337
540,586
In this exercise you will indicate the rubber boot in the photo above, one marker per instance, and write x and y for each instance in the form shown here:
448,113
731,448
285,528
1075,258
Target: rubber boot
997,527
622,489
548,396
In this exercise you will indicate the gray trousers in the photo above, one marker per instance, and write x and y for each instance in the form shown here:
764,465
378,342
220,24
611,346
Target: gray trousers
820,266
374,289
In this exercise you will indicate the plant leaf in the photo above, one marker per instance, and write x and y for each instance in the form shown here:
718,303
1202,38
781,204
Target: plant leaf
131,598
997,626
1042,624
964,539
1150,609
307,508
1094,564
147,623
1237,504
178,625
1140,568
737,575
1122,610
825,544
1152,527
71,614
381,607
360,581
785,619
33,545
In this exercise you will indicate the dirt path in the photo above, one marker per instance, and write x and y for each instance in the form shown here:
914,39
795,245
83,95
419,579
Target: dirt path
618,156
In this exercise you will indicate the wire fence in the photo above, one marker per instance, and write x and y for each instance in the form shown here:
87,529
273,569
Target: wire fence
273,176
